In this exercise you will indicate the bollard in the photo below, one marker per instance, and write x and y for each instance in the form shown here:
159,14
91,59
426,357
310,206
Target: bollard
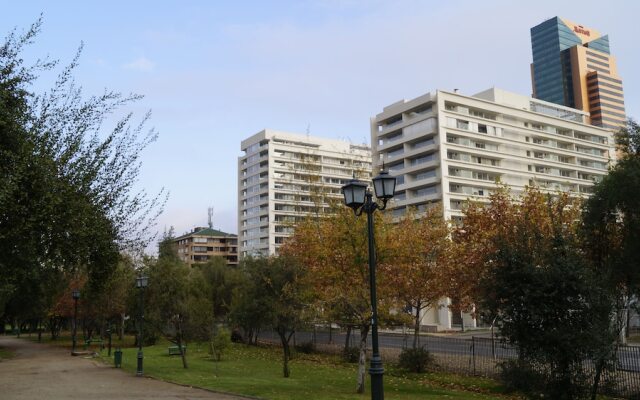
117,357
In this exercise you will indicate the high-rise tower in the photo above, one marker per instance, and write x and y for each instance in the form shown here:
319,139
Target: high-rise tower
572,66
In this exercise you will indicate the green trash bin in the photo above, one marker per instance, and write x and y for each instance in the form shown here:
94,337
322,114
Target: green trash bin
117,357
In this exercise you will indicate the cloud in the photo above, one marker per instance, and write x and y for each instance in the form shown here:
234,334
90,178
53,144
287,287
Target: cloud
141,64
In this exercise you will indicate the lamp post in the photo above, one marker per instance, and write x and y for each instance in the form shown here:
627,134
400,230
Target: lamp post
76,295
358,197
141,283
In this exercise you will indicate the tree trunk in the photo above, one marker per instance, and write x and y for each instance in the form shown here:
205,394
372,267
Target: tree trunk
121,330
286,351
362,368
416,326
596,379
183,354
346,341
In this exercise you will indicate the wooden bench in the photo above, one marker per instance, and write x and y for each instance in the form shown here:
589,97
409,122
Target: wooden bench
175,350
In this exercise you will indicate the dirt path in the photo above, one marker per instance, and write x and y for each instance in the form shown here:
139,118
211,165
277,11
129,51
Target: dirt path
41,371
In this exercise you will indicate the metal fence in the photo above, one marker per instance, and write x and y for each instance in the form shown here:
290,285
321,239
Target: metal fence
478,356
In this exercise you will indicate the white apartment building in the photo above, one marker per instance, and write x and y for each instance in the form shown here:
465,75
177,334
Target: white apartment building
283,177
447,147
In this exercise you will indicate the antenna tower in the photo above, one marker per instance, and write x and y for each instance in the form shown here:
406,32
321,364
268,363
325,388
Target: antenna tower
210,211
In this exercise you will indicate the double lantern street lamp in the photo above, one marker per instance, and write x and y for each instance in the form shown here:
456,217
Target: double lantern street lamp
358,197
141,283
76,295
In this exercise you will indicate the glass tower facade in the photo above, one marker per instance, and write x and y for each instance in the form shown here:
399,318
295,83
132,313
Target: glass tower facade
552,80
572,66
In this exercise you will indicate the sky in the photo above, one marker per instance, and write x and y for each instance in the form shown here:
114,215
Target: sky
214,73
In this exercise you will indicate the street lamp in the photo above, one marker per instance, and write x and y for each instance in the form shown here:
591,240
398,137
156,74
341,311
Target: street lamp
141,283
76,295
358,197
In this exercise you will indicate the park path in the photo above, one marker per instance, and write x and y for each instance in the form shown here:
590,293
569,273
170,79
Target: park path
39,371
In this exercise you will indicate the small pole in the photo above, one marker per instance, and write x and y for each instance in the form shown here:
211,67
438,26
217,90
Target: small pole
109,333
473,352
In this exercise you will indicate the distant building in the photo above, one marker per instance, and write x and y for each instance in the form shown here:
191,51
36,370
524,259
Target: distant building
572,66
202,244
283,177
445,147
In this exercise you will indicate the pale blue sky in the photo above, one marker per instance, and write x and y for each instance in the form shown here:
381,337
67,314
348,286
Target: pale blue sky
214,72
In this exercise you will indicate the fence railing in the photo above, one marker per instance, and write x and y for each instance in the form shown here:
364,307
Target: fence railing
479,356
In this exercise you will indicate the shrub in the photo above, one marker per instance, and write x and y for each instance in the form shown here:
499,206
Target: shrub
306,348
351,354
537,381
236,336
519,375
415,360
220,343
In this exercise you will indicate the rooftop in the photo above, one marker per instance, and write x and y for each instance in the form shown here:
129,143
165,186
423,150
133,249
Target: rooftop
206,232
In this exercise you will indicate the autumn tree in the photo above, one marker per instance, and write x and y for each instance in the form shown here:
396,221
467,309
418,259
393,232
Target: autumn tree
334,251
420,254
474,246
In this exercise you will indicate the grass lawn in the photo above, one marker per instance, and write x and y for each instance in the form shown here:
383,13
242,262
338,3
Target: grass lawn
258,372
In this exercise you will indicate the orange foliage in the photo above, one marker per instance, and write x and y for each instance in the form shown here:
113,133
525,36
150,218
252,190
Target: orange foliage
506,219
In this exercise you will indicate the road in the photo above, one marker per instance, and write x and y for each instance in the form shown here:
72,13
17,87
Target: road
481,346
40,371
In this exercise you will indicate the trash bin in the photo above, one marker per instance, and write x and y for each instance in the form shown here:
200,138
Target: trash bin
117,357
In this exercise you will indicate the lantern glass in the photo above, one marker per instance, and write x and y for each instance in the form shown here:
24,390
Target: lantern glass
142,282
354,192
75,294
384,185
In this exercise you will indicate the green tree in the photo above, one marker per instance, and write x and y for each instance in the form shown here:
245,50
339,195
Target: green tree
285,296
222,281
546,298
612,223
67,197
167,300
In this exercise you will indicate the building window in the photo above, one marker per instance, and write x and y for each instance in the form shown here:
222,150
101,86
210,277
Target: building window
461,124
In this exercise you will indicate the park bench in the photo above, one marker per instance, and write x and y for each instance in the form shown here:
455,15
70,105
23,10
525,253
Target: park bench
88,343
175,350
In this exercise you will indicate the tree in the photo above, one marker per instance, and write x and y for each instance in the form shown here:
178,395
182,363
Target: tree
612,223
280,284
475,247
67,187
539,286
334,251
420,255
168,300
222,281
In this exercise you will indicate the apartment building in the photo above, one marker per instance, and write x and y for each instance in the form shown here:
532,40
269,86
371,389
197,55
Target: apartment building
572,66
202,244
446,147
283,177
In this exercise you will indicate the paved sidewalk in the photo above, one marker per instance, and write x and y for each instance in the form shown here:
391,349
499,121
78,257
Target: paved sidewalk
39,371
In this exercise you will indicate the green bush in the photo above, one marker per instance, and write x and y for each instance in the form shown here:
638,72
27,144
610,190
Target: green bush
536,381
351,354
415,360
518,375
306,348
220,342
